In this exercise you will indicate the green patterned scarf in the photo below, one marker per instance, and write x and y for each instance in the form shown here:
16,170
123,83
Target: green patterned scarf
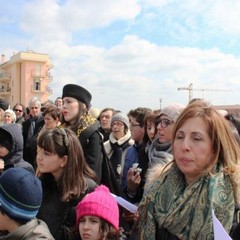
186,211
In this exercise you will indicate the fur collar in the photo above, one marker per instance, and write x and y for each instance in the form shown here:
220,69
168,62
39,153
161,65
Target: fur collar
120,141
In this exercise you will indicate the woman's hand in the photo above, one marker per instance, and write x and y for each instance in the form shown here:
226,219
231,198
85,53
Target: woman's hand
133,180
129,216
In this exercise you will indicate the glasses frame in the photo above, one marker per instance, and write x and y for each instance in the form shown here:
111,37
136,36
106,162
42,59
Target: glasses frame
18,110
163,121
132,125
118,124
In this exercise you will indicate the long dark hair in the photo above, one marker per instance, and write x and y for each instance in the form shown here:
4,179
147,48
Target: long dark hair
63,141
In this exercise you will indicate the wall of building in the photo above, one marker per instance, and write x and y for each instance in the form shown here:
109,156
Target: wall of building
29,73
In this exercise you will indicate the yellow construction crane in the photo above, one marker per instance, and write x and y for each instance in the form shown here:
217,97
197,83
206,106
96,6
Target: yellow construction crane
191,89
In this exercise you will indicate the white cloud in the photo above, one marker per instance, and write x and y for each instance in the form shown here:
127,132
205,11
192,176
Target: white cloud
157,3
40,18
225,15
47,17
138,73
134,71
212,16
92,14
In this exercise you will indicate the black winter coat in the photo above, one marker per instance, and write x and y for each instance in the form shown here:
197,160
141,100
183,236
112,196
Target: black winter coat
90,140
60,216
30,146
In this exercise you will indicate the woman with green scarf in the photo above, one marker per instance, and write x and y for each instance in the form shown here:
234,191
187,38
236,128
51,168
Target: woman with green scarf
204,176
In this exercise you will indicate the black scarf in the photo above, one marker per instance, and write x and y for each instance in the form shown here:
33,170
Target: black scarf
117,157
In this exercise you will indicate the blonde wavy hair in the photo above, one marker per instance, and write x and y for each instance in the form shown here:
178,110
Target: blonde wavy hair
226,149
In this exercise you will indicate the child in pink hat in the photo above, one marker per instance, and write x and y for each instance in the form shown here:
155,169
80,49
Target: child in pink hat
98,216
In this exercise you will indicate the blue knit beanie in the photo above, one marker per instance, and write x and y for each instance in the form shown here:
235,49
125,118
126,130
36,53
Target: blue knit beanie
20,194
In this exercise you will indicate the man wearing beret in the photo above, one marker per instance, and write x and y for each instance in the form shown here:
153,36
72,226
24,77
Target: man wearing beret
76,105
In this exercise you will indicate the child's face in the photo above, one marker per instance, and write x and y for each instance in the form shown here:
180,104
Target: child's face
3,151
4,223
50,163
89,228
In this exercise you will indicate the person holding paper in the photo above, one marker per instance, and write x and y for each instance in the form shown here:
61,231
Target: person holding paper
203,176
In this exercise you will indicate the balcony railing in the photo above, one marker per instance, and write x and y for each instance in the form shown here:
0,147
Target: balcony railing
45,89
6,76
50,77
4,90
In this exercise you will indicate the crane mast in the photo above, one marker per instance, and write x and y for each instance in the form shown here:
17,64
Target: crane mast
190,90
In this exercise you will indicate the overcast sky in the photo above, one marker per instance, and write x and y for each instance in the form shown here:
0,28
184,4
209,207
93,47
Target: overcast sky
131,53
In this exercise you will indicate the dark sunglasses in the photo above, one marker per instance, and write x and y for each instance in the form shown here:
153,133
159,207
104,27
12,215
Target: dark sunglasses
17,110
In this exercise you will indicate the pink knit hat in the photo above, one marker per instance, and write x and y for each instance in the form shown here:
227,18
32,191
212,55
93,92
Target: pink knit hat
99,203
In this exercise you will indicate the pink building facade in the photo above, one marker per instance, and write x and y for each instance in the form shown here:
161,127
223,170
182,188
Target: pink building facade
25,75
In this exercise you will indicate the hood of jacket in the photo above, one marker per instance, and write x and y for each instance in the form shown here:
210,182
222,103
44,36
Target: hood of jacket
32,230
16,151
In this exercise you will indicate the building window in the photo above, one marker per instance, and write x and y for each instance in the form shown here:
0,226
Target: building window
2,88
37,85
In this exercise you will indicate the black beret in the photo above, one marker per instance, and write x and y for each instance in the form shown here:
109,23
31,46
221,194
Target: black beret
77,92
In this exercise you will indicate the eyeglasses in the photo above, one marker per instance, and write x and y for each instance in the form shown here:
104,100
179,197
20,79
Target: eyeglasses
17,110
105,116
132,125
163,121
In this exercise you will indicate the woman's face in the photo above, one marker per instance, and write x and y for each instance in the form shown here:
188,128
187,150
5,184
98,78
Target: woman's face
4,222
165,129
50,122
3,151
89,228
151,130
70,109
192,148
50,163
118,129
7,118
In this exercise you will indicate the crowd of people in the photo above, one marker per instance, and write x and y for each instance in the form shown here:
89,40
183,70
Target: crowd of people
64,165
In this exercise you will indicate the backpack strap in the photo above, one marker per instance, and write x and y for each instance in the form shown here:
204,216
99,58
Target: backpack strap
86,134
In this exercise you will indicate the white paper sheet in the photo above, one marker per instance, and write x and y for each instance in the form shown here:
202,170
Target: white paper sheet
124,203
219,231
